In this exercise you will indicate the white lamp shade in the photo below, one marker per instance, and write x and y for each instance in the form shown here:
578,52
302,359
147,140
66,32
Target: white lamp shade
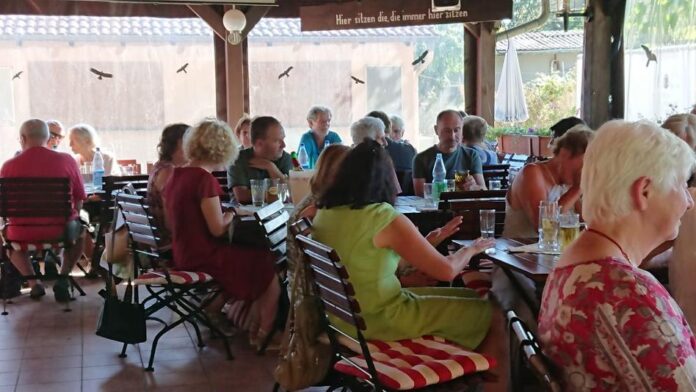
235,38
234,20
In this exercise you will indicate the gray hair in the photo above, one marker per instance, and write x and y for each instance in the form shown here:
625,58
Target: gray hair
366,127
397,122
314,111
34,129
474,129
86,133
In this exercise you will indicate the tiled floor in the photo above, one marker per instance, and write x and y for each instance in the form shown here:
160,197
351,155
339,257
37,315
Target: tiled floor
43,348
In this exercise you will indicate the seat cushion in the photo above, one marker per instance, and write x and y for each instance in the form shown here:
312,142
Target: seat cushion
38,245
418,363
177,277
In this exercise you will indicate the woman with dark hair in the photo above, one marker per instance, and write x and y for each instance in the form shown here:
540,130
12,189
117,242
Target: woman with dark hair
357,219
171,155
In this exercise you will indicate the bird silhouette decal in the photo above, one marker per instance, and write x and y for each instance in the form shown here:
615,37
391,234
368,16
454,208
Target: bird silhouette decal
356,80
649,54
285,74
182,69
101,74
420,59
17,75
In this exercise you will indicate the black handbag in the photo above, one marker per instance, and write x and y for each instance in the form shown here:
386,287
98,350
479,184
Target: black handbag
245,230
121,320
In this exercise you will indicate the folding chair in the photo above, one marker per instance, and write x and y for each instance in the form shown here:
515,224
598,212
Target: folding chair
401,365
497,172
175,290
37,198
530,356
274,220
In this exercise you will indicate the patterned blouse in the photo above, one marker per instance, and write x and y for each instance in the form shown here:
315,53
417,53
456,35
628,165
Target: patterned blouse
611,326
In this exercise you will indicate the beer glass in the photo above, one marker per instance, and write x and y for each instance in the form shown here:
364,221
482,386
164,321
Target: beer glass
548,225
569,229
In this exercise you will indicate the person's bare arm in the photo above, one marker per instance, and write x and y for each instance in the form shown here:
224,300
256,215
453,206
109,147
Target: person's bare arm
403,237
265,164
242,194
215,219
418,185
477,183
162,178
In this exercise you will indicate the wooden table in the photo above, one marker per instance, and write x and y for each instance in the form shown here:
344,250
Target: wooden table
536,267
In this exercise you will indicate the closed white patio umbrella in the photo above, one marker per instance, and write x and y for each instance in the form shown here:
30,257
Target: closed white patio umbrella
510,105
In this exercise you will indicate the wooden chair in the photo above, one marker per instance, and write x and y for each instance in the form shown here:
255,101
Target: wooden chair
471,195
531,355
221,176
274,220
497,172
469,211
175,290
337,295
137,168
30,197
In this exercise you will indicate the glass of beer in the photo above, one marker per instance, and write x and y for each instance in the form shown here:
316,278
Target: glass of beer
548,225
460,177
272,193
569,229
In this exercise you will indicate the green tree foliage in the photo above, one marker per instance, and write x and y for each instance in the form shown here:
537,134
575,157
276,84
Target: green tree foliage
660,22
524,11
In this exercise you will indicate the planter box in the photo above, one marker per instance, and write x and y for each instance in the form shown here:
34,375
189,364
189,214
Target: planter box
541,147
517,144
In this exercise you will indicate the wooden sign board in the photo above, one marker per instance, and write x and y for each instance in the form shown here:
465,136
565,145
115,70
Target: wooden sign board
363,14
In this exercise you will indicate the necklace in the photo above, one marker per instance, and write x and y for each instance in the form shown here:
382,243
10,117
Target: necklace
599,233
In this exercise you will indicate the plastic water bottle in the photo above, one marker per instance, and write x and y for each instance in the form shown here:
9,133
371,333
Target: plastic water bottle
303,157
439,180
97,170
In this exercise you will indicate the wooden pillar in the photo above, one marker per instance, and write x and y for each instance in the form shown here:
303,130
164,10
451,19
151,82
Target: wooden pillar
479,70
237,81
220,78
603,73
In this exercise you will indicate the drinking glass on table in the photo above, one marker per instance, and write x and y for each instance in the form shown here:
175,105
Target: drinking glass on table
283,191
487,223
569,229
548,225
428,195
272,193
451,186
494,185
86,171
258,192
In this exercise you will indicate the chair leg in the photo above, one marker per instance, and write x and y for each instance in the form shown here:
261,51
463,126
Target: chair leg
266,342
123,351
276,387
153,348
3,274
74,285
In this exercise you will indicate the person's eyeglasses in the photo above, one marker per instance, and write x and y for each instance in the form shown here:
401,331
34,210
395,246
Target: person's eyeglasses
56,136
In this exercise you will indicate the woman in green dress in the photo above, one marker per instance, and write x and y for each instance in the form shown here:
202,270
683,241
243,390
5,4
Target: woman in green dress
357,219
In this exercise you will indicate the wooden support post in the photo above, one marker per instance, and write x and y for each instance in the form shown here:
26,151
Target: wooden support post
237,81
603,73
479,70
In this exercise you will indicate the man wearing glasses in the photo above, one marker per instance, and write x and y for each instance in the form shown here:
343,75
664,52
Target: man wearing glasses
56,134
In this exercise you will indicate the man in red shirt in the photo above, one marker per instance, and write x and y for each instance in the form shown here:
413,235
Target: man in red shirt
36,160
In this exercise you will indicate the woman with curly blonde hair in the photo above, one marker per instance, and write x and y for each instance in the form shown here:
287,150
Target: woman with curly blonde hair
197,223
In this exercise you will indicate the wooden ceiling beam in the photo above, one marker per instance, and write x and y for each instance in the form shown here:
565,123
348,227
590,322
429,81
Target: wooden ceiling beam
212,17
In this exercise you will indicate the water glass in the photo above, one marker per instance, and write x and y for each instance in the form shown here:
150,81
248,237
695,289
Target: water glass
548,225
569,229
487,221
258,192
86,171
428,195
495,185
451,187
283,191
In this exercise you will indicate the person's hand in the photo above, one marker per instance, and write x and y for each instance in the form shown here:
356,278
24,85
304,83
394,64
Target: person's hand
470,184
436,236
267,165
481,244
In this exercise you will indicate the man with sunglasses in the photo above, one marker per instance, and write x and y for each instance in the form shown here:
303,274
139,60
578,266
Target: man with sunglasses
56,134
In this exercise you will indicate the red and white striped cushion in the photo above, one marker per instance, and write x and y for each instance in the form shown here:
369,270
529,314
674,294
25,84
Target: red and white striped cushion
417,363
479,281
34,246
177,277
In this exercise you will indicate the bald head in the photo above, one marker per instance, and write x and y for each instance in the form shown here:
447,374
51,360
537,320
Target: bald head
33,133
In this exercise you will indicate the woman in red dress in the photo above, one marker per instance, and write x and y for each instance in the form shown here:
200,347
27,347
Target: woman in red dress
607,324
198,225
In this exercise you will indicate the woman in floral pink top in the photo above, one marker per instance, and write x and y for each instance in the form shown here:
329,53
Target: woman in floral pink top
604,322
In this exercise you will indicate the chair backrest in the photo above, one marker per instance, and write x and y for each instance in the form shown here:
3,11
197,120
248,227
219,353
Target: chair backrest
406,182
113,184
469,210
534,357
221,176
475,195
497,172
301,227
331,279
140,224
31,197
274,220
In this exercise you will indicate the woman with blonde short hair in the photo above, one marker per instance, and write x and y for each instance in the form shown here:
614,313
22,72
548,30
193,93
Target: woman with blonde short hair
243,131
84,142
198,225
607,324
